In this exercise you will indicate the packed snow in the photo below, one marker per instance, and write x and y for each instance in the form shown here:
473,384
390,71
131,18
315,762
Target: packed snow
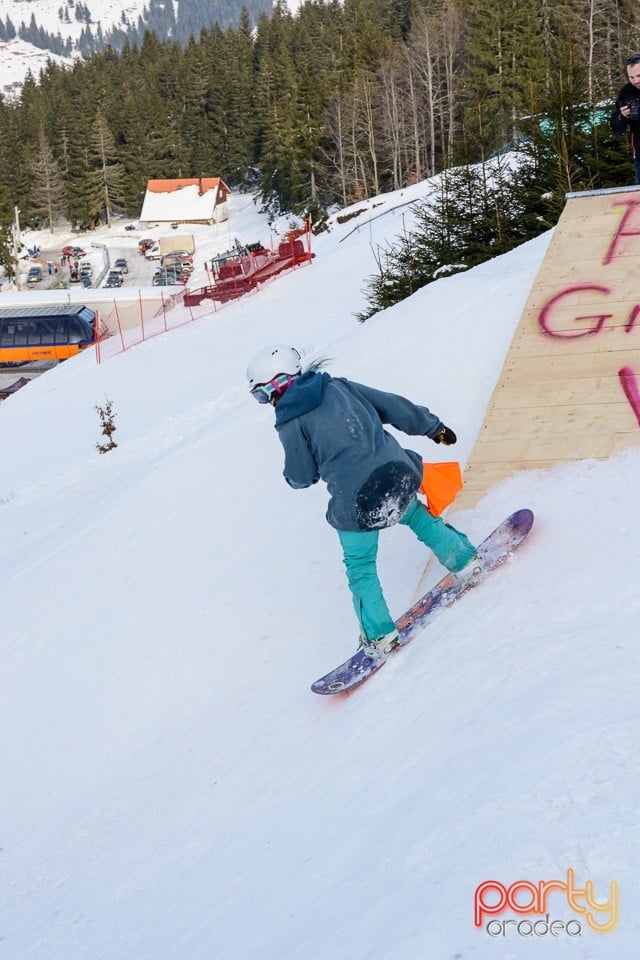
171,787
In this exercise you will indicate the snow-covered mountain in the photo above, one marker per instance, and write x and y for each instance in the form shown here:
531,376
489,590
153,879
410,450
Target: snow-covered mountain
62,19
18,57
170,786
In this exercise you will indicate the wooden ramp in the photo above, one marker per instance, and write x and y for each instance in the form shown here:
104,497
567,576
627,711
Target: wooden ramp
570,386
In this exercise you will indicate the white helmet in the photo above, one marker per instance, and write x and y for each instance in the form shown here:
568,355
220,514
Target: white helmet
271,361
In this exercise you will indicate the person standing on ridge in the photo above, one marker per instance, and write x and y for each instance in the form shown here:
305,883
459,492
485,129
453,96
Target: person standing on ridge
331,429
626,113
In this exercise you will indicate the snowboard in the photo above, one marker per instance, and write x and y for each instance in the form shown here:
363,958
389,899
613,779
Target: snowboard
492,552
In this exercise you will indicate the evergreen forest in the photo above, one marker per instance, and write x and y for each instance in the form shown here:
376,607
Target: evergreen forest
334,104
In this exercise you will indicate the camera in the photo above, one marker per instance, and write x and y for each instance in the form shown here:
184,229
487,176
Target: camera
634,109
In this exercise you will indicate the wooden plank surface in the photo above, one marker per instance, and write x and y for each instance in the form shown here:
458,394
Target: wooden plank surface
559,398
521,393
533,341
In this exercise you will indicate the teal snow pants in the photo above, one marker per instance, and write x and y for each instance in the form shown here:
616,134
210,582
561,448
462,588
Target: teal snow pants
360,549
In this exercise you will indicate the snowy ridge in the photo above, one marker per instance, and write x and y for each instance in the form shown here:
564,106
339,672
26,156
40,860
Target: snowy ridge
171,787
108,13
17,57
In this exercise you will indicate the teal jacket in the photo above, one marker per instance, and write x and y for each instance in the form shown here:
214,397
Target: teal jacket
332,430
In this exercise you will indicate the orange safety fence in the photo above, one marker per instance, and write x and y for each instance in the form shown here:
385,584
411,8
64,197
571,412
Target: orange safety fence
134,320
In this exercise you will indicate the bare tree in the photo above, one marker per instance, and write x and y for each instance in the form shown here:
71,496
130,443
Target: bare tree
366,124
433,50
392,132
336,137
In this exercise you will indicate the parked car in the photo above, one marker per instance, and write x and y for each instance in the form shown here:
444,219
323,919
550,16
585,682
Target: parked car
181,253
120,265
171,268
184,263
71,251
114,280
175,276
153,253
86,269
85,280
35,274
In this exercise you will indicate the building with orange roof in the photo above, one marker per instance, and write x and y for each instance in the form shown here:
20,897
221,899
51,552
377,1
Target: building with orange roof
185,200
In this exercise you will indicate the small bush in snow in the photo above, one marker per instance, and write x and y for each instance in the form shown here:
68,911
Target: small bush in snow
106,415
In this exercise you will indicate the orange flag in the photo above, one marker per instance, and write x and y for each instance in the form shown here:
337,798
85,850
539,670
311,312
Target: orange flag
441,482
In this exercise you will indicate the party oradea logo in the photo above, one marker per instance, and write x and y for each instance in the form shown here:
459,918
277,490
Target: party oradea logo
493,902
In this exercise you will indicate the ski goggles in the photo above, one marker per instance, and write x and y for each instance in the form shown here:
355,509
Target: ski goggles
265,391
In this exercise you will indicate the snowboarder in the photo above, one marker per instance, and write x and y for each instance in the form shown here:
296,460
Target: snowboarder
332,429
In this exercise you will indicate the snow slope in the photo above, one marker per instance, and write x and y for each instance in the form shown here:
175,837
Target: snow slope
108,13
171,788
17,57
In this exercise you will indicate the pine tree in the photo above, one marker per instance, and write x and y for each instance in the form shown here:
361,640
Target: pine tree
48,196
233,89
7,261
195,129
106,169
502,73
275,98
316,40
18,142
477,213
84,192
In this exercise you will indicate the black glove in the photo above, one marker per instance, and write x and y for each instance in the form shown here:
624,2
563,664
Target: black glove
445,435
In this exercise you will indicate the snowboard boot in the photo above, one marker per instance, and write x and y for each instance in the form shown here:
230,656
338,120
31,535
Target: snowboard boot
471,571
381,647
